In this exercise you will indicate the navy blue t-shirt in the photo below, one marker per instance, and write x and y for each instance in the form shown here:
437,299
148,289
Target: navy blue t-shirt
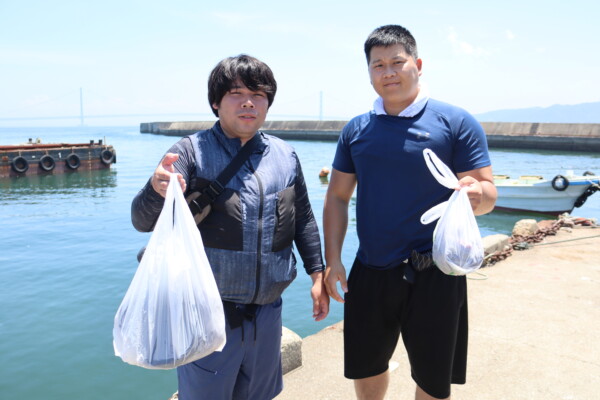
395,186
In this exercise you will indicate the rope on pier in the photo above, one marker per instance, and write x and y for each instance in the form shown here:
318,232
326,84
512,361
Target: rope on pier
524,242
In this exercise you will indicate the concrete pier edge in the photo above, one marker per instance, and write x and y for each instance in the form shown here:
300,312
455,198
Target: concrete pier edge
524,135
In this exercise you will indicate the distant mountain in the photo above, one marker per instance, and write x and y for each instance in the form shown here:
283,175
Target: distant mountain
584,113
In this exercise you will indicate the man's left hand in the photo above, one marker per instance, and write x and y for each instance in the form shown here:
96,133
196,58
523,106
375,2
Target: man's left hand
319,296
474,190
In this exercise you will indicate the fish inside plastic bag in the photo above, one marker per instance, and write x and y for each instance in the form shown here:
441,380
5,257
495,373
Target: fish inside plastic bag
457,245
172,313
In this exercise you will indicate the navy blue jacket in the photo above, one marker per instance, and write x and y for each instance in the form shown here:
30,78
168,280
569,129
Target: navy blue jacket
249,233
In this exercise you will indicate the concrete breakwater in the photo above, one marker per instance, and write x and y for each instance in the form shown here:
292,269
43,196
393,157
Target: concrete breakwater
519,135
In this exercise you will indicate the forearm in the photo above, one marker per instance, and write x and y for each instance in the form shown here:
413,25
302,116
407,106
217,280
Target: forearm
148,203
306,236
488,198
317,277
308,243
335,224
480,188
146,208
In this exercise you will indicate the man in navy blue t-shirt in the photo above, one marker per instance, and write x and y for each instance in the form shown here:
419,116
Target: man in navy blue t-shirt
393,288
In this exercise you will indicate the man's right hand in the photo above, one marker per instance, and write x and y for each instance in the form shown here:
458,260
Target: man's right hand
335,273
162,175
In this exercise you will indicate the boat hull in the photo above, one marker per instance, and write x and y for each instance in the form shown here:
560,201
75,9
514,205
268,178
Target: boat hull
59,158
540,196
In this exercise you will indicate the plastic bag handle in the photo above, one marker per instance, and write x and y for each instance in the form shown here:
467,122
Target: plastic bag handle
445,177
173,195
175,188
168,208
439,170
434,213
180,207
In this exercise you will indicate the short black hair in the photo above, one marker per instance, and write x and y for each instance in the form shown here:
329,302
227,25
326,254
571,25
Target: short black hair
255,74
389,35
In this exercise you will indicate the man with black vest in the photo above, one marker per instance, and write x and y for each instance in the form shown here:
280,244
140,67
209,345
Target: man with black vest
250,201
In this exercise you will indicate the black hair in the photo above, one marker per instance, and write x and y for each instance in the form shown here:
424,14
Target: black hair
255,74
389,35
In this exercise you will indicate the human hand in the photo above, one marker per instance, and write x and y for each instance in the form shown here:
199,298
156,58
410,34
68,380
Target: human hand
319,297
162,175
335,273
473,189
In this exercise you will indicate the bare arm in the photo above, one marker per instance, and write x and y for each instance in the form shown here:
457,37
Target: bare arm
482,191
335,223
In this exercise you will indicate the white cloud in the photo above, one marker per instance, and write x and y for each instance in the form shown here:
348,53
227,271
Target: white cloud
510,35
463,47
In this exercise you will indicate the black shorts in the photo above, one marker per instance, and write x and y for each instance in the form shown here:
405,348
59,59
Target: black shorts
431,314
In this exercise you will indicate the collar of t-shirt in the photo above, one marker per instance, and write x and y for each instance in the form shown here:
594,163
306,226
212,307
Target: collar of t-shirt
413,109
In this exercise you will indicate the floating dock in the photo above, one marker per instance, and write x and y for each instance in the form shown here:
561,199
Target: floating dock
34,158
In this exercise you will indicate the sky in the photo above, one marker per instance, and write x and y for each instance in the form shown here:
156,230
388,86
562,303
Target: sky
143,61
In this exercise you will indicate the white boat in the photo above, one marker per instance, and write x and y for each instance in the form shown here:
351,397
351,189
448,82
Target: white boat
548,196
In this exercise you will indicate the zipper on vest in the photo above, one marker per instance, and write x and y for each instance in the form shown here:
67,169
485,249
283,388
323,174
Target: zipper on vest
259,239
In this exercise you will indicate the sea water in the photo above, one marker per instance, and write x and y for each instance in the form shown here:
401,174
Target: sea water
68,253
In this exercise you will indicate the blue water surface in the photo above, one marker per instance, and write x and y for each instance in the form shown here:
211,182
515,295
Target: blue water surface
68,253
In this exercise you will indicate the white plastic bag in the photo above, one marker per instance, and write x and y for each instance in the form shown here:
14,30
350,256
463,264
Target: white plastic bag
172,313
457,244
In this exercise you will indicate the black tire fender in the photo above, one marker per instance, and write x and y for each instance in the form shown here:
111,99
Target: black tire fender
19,164
47,163
558,187
73,161
107,157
